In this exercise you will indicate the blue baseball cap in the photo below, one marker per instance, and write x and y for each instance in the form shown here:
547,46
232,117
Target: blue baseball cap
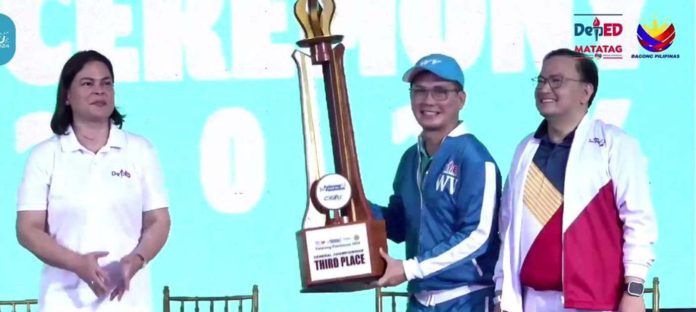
441,65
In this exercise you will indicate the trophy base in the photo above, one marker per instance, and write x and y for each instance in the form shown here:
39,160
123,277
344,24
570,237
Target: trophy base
343,257
344,286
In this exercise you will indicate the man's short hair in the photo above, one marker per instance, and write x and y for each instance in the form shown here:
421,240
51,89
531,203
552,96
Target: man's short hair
585,66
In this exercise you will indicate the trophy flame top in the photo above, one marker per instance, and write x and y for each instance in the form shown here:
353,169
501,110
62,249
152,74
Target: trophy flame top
315,20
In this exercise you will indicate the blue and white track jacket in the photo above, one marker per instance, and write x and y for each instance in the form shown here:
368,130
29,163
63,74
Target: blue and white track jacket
449,224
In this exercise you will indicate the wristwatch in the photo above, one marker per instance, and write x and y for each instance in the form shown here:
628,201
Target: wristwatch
497,298
634,289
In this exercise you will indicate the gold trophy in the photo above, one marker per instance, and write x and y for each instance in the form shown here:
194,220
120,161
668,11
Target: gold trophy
339,242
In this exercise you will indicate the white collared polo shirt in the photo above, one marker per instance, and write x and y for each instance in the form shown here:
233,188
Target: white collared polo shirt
94,202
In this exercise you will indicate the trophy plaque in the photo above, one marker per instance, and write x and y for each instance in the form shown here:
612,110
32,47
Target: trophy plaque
338,245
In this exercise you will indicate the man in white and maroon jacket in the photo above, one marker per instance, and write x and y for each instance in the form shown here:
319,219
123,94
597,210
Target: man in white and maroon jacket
577,224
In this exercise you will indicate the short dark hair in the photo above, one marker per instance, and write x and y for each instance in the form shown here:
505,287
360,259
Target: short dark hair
63,114
585,66
456,83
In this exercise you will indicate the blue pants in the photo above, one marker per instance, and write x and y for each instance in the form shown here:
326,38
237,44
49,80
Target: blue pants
478,301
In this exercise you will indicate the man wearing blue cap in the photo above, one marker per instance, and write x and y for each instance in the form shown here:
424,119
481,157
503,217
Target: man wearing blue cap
445,201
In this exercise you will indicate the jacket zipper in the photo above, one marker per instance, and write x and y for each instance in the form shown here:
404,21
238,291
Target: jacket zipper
419,180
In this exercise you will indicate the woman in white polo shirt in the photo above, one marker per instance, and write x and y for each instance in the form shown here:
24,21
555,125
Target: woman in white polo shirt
92,204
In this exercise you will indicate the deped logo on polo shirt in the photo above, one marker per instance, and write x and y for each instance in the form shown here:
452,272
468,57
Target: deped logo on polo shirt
447,178
121,173
8,36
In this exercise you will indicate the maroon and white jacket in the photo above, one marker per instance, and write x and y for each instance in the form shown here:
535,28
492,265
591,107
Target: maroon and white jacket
609,225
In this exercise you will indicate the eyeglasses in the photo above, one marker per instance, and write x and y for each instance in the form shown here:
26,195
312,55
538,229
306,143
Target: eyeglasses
438,94
554,81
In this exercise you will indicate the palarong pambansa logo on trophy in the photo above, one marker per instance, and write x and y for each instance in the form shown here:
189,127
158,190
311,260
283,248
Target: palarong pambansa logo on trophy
339,242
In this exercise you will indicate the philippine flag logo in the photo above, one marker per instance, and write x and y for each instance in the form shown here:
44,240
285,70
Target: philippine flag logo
656,37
